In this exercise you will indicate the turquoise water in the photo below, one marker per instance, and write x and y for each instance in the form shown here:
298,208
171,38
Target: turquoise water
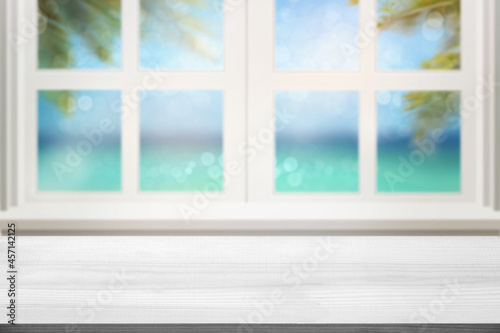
79,150
402,163
183,168
99,171
181,141
317,168
439,172
316,141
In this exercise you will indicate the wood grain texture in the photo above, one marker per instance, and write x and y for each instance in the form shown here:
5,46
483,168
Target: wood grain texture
198,279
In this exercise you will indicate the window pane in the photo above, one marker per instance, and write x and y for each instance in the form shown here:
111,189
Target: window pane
316,141
418,141
418,35
316,35
79,140
83,34
182,35
181,140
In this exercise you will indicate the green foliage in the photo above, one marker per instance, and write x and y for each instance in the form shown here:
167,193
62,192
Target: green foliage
98,23
429,109
191,23
443,61
406,17
64,99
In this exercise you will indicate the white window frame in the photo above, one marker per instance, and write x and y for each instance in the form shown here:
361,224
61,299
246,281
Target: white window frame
248,80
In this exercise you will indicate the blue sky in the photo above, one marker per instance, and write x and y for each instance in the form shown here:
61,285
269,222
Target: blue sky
392,122
318,114
311,31
309,34
181,114
157,51
406,51
85,58
163,47
90,107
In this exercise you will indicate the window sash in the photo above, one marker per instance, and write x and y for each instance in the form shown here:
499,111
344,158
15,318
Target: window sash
263,81
130,79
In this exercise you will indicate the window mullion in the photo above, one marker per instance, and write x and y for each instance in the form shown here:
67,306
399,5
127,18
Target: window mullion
367,111
130,98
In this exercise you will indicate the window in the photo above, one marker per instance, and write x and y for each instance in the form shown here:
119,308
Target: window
133,100
326,114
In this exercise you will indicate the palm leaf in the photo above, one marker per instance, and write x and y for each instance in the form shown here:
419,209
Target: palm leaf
185,21
428,109
63,99
98,24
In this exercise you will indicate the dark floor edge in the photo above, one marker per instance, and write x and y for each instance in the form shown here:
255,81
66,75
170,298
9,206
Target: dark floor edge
247,328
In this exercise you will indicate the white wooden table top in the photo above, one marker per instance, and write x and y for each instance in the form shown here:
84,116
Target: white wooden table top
222,279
